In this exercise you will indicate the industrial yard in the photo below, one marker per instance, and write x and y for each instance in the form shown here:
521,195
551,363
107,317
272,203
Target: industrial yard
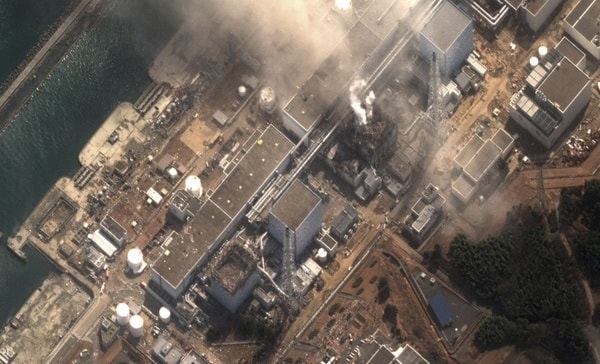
229,215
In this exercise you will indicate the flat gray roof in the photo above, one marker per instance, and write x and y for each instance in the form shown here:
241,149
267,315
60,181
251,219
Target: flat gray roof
445,26
466,154
463,186
295,204
186,249
569,50
584,18
321,89
484,158
261,160
563,84
502,139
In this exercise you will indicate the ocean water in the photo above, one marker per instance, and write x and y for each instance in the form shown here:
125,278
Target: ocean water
105,66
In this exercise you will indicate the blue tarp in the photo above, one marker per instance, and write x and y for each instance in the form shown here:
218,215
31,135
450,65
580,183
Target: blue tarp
441,310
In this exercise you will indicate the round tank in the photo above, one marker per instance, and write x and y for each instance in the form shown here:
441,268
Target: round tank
242,91
193,186
164,314
172,172
135,259
267,100
321,255
122,314
136,326
542,51
533,61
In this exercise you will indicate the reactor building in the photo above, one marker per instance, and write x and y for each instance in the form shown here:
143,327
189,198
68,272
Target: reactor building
448,35
300,211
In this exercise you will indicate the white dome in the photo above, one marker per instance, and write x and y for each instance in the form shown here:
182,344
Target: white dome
193,186
534,61
136,326
321,255
164,314
242,91
172,172
135,259
122,314
542,51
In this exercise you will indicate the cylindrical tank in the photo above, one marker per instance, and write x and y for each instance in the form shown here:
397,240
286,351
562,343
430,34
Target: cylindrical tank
321,255
136,326
533,61
542,52
172,172
267,100
122,314
242,91
164,315
193,186
135,259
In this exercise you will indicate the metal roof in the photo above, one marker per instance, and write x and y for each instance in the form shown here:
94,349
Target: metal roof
466,154
570,50
481,162
295,205
584,18
445,26
564,83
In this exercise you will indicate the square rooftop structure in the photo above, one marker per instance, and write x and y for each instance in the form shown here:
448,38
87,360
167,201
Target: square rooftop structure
448,34
538,12
268,154
582,25
547,108
234,277
343,222
476,159
300,210
572,52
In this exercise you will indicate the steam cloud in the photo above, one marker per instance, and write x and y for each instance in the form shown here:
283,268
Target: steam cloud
363,114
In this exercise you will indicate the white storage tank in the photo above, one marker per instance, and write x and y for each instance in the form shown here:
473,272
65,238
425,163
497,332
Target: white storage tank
242,91
135,260
122,314
193,186
542,52
164,315
321,255
267,100
136,326
533,61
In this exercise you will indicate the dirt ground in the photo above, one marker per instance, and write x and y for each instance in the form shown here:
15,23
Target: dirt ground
356,313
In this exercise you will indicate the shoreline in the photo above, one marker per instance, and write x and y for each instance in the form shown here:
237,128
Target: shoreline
17,94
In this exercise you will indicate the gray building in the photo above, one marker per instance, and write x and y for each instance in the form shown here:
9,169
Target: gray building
448,34
185,253
234,278
582,25
555,92
300,210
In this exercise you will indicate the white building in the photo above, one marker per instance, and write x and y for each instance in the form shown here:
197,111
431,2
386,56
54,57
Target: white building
448,34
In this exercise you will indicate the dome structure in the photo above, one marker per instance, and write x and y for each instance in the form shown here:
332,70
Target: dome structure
122,314
136,326
193,186
164,314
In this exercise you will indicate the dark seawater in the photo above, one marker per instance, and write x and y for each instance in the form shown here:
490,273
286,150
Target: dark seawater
22,23
106,65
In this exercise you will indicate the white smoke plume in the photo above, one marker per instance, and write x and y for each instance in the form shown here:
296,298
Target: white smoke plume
369,104
356,87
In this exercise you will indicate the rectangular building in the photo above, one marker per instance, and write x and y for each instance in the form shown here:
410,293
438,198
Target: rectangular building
217,217
581,24
300,210
449,34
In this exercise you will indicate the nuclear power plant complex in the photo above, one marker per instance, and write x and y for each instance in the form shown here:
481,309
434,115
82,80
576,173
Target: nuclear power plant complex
271,196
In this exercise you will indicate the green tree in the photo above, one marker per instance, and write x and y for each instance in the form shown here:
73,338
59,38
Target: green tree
587,253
